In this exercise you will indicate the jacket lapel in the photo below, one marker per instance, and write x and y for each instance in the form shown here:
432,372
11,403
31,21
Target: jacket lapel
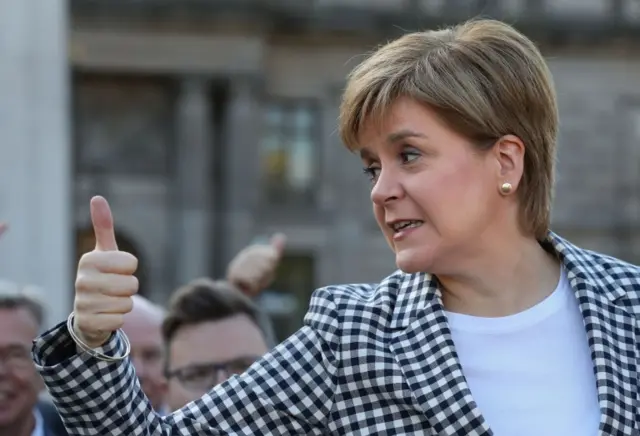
423,347
611,332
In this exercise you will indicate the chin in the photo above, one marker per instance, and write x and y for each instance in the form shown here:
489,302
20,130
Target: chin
413,261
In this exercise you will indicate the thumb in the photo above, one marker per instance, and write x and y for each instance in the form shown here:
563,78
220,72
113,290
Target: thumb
278,242
3,228
102,221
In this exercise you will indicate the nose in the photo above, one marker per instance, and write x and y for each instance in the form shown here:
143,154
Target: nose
387,188
138,364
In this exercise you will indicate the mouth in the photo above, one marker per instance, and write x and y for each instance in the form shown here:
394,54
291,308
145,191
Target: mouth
400,225
5,396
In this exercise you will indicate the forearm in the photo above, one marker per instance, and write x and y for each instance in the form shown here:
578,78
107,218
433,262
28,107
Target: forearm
289,391
94,397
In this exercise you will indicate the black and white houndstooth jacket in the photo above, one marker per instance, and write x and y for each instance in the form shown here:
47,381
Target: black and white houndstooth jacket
370,360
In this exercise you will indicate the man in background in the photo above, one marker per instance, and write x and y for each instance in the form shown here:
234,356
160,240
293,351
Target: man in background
212,331
22,413
143,327
252,270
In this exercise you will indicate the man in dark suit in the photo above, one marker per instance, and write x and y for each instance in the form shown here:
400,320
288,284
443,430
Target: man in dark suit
51,423
22,413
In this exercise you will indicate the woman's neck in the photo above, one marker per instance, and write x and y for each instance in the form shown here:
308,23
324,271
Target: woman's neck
509,276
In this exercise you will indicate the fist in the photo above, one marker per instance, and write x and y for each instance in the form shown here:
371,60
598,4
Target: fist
254,268
105,282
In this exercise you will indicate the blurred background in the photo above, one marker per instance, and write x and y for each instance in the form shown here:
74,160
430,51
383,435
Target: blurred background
211,124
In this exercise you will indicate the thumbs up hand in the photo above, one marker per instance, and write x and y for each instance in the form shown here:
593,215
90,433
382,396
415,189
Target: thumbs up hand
254,268
105,282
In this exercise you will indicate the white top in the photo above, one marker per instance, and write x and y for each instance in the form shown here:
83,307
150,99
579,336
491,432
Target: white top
531,373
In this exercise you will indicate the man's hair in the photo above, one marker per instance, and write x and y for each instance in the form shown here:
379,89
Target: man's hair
485,80
205,300
14,297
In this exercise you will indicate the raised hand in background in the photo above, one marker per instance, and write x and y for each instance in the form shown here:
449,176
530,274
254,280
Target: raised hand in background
254,268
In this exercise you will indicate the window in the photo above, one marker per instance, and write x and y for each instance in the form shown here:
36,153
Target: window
625,179
123,125
290,152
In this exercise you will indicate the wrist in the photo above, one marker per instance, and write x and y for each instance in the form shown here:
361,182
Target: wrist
92,341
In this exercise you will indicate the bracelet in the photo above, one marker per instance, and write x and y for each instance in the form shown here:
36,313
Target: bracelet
91,351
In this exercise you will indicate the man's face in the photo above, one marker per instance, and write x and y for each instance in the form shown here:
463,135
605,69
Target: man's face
19,381
147,354
205,354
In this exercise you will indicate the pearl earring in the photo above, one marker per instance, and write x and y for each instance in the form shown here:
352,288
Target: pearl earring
506,188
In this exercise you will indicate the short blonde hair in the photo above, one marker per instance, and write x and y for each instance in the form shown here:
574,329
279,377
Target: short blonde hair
485,80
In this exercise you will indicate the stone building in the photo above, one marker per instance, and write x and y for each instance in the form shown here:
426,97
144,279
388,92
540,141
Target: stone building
210,123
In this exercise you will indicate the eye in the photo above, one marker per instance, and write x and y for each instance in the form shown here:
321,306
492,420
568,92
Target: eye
371,172
151,355
197,375
408,156
239,366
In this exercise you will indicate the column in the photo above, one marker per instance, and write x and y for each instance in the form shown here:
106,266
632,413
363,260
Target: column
243,127
331,260
193,189
35,151
340,197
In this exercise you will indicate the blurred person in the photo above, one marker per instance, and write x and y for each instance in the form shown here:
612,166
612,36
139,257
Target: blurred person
493,324
212,331
3,228
143,326
254,268
22,413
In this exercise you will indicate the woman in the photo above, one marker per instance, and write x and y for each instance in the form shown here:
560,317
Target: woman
492,325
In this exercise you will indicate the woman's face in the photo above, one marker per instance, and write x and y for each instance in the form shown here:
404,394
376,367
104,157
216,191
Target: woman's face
433,194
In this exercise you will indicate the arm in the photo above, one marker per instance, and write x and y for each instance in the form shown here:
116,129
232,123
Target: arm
288,392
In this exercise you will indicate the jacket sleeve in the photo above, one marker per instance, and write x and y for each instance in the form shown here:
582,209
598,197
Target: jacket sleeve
289,391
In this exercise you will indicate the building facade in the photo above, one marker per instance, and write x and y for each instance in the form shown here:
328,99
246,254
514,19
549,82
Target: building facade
35,151
208,124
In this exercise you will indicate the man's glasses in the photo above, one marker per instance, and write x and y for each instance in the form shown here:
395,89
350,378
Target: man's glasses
202,377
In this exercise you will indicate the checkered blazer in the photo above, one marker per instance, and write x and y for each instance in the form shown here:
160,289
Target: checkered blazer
369,360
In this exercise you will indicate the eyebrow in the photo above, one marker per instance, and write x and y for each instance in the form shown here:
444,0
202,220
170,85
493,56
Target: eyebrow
403,134
392,138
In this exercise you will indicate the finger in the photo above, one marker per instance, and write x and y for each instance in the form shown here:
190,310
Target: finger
106,322
266,280
96,304
119,262
278,242
247,287
3,228
102,221
114,285
121,305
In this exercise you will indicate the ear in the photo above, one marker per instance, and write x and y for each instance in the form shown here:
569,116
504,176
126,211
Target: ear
509,153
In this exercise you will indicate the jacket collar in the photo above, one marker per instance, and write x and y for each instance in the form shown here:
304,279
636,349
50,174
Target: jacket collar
422,344
417,291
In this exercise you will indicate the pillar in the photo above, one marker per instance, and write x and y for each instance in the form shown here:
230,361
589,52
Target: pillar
35,151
